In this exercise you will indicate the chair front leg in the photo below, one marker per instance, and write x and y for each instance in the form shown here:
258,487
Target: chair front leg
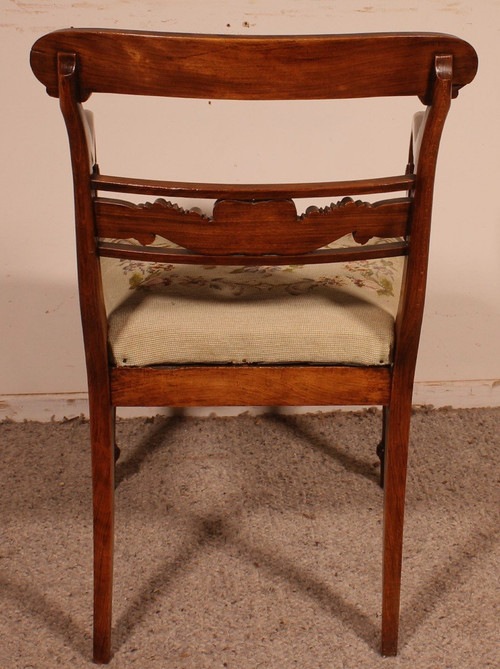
381,445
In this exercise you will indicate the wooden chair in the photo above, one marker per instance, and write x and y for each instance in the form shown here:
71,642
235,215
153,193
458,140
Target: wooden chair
251,226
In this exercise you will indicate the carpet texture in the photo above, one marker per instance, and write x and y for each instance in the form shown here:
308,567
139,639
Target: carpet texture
252,542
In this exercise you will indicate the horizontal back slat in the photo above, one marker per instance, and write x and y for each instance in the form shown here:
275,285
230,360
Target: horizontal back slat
253,228
215,191
252,67
180,256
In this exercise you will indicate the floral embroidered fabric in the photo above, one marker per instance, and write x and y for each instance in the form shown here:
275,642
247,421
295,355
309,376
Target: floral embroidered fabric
169,314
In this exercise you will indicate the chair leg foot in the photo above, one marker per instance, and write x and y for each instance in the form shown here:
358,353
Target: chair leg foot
381,457
389,647
101,655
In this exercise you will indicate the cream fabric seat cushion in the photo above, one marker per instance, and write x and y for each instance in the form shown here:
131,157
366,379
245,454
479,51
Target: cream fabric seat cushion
328,313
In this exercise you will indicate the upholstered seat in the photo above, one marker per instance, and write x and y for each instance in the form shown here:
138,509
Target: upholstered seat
331,313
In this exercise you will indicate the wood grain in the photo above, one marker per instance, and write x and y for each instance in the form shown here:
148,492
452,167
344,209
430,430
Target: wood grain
94,324
408,327
252,67
243,385
166,255
215,191
252,228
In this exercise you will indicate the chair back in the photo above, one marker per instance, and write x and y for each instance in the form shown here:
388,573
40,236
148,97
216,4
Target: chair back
255,224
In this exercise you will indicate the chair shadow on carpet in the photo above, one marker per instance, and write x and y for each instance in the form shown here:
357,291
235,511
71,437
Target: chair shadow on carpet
126,468
152,441
36,604
452,574
215,531
347,461
218,530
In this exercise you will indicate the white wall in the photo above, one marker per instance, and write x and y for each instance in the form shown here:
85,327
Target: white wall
41,349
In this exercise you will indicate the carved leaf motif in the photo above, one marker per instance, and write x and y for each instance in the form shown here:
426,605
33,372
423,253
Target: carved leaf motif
122,219
253,227
386,218
161,204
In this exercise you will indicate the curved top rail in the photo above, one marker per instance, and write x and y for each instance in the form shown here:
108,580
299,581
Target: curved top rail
252,67
251,191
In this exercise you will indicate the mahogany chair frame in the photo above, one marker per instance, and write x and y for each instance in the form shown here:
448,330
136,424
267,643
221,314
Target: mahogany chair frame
72,64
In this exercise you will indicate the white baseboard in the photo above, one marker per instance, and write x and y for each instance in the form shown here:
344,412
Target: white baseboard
60,406
458,394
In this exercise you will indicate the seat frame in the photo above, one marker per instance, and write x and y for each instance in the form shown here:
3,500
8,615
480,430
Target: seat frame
75,63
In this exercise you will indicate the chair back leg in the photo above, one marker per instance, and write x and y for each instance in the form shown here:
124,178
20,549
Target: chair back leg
103,465
397,431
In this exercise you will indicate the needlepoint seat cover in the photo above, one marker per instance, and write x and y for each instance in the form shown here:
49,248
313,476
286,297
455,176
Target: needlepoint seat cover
331,313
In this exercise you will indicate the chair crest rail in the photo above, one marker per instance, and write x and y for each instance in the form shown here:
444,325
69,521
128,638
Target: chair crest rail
252,67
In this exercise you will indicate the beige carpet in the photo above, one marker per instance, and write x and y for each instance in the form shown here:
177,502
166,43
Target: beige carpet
252,542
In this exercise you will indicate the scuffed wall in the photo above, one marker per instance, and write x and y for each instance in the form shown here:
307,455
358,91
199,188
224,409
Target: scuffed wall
41,350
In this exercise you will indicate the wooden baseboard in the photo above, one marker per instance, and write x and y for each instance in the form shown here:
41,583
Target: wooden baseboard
46,407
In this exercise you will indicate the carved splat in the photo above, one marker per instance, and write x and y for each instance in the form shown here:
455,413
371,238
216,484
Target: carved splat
124,220
252,227
386,218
